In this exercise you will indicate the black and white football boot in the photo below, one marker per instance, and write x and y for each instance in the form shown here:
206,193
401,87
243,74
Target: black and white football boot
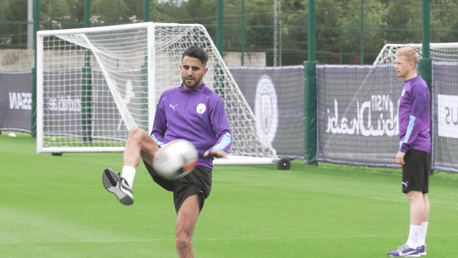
117,185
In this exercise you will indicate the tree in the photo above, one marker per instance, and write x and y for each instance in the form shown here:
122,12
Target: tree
443,17
131,11
53,12
76,10
3,6
259,13
295,13
199,11
14,11
166,12
105,11
327,16
403,15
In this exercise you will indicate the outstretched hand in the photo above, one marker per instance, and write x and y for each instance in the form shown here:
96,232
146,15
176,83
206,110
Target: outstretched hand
216,153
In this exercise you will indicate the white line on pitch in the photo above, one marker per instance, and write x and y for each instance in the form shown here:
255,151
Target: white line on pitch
214,239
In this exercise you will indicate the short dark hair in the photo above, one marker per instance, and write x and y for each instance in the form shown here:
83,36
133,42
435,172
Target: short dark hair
196,52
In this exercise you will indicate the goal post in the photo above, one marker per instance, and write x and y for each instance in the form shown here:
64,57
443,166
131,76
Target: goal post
438,52
130,67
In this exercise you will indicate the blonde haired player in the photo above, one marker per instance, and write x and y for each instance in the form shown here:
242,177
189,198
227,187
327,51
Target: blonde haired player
414,150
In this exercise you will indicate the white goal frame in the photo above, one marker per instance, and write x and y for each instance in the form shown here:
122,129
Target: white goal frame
234,158
438,52
39,78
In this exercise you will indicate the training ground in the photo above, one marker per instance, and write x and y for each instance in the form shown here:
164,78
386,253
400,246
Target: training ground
56,206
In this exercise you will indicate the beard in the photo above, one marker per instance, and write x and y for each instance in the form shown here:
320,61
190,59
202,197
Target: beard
194,85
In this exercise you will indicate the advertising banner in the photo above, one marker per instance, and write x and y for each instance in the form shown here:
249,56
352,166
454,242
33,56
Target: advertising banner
15,101
62,103
358,114
445,116
276,97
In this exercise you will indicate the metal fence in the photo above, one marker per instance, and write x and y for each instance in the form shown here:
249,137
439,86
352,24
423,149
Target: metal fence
347,32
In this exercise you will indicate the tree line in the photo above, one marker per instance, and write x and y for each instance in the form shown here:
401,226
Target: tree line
338,23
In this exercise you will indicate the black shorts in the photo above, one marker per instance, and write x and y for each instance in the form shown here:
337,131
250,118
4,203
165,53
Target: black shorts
415,173
198,182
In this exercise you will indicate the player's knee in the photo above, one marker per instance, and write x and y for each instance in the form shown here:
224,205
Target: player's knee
415,196
134,131
135,134
183,242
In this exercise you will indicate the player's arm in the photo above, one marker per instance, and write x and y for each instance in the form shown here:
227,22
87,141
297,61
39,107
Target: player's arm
221,129
418,110
160,125
222,147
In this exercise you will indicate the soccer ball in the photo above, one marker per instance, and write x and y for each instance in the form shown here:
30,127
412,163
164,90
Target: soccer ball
177,160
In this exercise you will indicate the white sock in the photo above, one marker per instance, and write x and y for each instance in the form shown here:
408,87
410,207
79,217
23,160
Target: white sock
422,236
128,173
413,235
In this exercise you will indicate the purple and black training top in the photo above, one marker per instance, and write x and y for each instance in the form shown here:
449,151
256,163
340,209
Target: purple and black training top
196,115
414,116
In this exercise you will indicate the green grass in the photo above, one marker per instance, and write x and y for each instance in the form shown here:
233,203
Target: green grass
57,207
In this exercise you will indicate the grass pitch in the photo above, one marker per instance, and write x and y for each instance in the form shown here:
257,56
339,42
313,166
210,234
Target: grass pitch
57,207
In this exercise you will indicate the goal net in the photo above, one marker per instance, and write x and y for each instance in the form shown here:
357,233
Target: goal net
438,52
94,84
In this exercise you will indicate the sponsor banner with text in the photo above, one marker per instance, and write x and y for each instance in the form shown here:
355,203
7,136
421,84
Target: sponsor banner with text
447,112
15,101
444,116
357,112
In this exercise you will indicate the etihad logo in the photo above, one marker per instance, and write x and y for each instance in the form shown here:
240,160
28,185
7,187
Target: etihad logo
20,100
373,118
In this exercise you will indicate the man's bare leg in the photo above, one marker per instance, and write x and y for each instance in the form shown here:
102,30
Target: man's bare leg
186,222
426,208
424,224
417,214
139,144
417,207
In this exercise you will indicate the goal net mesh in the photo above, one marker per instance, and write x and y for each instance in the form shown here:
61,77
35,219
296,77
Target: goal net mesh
438,52
97,85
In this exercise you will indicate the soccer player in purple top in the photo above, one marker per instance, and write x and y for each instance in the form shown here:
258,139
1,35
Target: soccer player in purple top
414,150
192,112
